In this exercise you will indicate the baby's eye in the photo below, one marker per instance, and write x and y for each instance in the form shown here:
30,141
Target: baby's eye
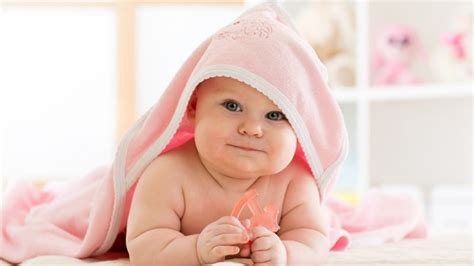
232,106
276,116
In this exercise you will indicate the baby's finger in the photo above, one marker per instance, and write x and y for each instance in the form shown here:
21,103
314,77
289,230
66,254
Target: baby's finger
260,231
246,223
261,257
222,251
230,239
262,243
227,229
245,251
230,220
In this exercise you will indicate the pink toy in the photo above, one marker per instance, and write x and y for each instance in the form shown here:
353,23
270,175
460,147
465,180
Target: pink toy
266,217
454,40
395,48
451,60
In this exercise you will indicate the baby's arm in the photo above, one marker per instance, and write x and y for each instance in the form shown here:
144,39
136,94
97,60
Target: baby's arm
154,223
303,227
153,228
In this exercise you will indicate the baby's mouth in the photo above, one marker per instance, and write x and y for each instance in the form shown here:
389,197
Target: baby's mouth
245,148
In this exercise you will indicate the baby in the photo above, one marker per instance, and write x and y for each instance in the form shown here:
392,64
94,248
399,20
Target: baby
180,213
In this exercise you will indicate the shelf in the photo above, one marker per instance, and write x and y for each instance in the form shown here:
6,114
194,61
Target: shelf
410,119
346,95
396,93
430,91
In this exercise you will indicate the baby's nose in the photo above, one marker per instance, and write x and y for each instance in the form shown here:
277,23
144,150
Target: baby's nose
251,128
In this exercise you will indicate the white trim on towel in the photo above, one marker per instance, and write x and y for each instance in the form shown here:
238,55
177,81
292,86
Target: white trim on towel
122,185
120,188
244,76
329,172
293,116
280,100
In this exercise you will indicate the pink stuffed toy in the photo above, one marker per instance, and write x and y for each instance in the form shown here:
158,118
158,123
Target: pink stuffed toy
452,58
395,49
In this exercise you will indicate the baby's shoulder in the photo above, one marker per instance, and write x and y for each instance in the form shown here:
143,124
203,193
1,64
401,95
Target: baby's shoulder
296,174
297,171
171,166
302,186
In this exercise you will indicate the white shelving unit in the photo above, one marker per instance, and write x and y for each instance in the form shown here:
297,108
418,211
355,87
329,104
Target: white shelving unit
361,103
397,93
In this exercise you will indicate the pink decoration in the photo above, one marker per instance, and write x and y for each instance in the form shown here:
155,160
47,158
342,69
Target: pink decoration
455,41
395,49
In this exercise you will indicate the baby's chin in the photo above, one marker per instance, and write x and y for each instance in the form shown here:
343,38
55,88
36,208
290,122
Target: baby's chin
245,172
253,167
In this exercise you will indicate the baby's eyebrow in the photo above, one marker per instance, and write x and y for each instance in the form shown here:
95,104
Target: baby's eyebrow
224,90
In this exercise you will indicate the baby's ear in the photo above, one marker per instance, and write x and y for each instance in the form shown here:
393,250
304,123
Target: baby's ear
191,110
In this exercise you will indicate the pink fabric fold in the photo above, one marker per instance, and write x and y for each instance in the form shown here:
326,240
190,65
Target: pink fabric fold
53,220
83,217
378,218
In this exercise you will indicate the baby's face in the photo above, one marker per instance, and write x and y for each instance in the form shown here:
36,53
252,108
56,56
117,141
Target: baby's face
239,131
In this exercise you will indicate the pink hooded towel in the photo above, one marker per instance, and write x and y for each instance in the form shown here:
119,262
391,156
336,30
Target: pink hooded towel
261,48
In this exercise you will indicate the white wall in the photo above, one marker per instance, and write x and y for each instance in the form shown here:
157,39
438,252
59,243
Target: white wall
423,142
426,142
58,86
167,35
58,79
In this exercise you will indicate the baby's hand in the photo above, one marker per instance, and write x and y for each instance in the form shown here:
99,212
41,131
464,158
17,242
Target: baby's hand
220,239
267,248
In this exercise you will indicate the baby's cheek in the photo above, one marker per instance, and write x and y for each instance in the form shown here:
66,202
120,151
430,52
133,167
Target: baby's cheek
281,157
207,136
216,147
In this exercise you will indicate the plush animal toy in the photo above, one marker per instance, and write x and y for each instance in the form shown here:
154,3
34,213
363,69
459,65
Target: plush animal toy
329,28
396,48
452,58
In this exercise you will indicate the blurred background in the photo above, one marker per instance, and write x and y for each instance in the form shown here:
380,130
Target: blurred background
75,74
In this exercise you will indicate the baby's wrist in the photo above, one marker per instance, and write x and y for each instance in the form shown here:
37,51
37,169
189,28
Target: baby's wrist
284,251
198,255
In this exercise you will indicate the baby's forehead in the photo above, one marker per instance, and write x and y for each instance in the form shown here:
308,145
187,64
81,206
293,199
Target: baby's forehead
222,84
228,87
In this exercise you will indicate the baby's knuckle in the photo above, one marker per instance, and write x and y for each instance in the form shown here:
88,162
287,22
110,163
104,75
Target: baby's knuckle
256,247
220,251
214,252
256,258
259,230
224,238
260,246
268,242
227,219
233,220
253,256
208,246
233,229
